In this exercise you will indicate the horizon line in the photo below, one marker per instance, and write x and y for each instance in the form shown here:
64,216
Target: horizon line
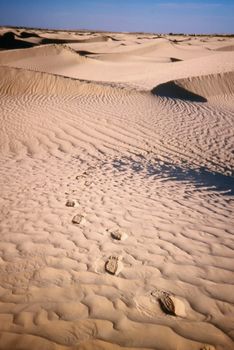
114,31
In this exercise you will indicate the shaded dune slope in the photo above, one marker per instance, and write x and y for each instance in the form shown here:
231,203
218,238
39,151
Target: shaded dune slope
98,39
13,40
197,89
226,48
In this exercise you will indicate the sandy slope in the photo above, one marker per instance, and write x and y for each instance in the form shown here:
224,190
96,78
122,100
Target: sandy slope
142,65
144,143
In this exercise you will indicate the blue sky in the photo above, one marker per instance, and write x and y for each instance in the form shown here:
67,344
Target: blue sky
207,16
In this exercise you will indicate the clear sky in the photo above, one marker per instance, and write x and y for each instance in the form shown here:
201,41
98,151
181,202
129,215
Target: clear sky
202,16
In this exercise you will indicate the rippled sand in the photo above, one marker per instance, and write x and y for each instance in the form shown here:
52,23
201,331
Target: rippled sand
138,131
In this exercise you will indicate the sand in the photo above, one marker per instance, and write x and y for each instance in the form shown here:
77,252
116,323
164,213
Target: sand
129,133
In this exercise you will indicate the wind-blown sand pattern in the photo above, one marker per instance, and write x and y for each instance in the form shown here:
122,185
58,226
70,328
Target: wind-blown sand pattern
137,132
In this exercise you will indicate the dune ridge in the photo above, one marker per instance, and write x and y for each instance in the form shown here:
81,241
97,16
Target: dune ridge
45,90
115,63
194,87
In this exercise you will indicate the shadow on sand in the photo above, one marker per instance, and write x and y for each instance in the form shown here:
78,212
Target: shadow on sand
9,41
200,178
172,90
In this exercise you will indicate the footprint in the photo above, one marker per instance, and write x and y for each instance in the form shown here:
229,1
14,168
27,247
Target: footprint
72,203
78,219
113,265
118,235
169,303
81,176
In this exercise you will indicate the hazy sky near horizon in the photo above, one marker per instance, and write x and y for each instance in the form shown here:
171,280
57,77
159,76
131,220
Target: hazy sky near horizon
207,16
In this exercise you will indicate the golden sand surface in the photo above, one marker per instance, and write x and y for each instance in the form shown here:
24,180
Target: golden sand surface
116,178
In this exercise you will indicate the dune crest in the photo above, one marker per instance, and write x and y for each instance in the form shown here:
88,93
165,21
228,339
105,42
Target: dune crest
198,89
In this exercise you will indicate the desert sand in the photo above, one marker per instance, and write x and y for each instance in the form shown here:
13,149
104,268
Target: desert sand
116,177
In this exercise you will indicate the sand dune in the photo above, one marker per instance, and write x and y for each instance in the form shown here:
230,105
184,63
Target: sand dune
226,48
42,58
9,40
129,71
138,147
198,88
44,91
23,39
